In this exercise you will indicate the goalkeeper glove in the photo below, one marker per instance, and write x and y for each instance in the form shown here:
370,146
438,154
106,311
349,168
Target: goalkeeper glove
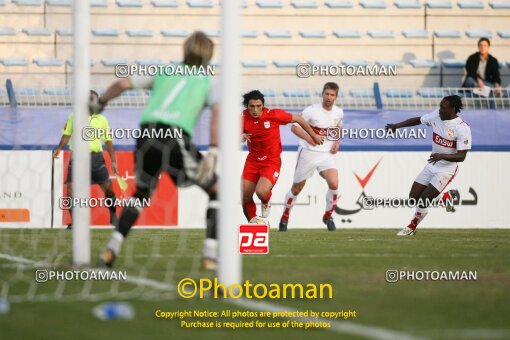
205,171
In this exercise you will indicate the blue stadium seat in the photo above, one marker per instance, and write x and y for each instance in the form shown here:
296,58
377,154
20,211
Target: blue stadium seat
447,34
58,91
211,33
454,63
355,62
13,61
504,34
431,93
215,63
36,31
389,62
200,3
253,63
27,2
105,32
2,3
133,93
378,4
269,93
142,32
48,62
129,3
59,3
479,33
362,93
347,34
278,34
413,34
470,4
26,91
338,3
439,4
312,34
269,4
304,4
249,34
149,61
69,61
165,3
377,34
407,4
299,93
99,3
418,63
322,62
285,63
175,33
64,32
398,93
500,4
7,31
113,61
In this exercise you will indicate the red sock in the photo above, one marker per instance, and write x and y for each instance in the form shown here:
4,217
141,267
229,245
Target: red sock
268,197
249,209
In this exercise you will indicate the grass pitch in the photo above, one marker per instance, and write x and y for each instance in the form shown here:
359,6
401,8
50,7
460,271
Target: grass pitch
354,262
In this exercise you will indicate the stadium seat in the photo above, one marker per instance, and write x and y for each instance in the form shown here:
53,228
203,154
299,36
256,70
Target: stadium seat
164,3
13,61
418,63
129,3
27,2
312,34
362,93
7,31
338,3
59,3
64,32
211,33
454,63
322,62
355,62
175,33
378,4
133,93
48,62
300,93
347,34
143,32
99,3
389,62
478,34
200,3
268,93
413,34
58,91
149,61
470,4
269,4
2,3
253,63
105,32
504,34
249,34
36,31
407,4
431,93
447,34
285,63
26,91
398,93
113,61
500,4
439,4
304,4
378,34
69,61
278,34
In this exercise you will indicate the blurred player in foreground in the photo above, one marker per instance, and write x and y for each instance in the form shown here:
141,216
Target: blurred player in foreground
451,141
323,118
176,103
99,172
261,129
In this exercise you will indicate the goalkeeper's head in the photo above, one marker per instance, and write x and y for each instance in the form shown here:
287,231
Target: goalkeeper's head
198,49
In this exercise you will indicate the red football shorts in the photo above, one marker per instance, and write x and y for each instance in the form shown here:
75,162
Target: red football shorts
253,170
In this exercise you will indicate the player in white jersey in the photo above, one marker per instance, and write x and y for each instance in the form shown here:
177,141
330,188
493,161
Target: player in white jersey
323,118
451,141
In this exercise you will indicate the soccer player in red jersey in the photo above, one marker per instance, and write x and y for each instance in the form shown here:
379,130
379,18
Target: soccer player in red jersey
261,129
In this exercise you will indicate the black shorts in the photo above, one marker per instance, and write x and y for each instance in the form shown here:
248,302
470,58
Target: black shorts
98,171
174,155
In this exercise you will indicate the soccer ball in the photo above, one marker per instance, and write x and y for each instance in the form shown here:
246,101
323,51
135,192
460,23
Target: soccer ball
259,220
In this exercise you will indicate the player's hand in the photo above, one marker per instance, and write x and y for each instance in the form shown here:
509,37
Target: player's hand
96,106
246,137
56,153
205,171
391,127
334,148
114,168
318,139
310,141
499,92
435,157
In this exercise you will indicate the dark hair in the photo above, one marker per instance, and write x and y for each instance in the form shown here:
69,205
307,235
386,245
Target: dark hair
252,95
331,86
92,92
484,39
455,102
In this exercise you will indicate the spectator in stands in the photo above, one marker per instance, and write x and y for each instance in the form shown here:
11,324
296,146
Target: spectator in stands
482,68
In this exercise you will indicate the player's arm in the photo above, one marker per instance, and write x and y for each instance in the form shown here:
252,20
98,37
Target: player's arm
460,156
63,142
406,123
315,137
111,152
117,88
298,131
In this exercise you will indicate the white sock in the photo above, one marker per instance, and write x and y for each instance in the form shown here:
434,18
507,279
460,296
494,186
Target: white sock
210,248
331,199
419,215
115,242
290,199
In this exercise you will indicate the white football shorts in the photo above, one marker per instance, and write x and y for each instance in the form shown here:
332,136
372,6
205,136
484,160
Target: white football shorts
308,161
437,175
